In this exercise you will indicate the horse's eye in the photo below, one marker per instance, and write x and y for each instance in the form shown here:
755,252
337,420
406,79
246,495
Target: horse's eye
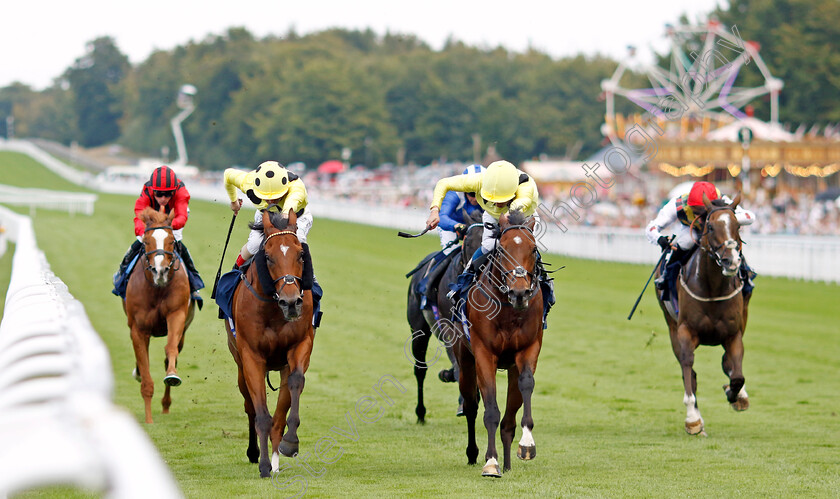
300,256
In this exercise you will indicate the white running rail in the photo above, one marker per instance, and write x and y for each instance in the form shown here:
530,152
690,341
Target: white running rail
57,422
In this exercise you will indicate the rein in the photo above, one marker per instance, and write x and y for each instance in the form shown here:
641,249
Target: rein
713,251
160,251
287,279
464,257
518,271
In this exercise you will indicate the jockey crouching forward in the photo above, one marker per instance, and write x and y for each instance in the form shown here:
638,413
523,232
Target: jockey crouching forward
164,191
452,228
272,187
686,209
500,188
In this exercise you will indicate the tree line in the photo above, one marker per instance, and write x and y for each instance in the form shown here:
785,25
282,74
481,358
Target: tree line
387,98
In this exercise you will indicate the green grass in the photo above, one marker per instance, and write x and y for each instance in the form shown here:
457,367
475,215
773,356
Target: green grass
608,399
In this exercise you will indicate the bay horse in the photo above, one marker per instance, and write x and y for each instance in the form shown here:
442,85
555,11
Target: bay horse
424,323
712,308
504,312
272,317
158,303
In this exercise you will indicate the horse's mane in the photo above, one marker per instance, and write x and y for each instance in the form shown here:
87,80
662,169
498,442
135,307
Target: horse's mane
276,219
719,203
153,216
516,217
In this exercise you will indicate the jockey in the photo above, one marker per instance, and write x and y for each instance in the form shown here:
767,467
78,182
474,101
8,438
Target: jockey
163,190
452,223
272,187
452,228
686,209
501,188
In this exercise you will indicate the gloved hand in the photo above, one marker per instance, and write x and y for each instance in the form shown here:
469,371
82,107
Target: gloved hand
663,242
460,230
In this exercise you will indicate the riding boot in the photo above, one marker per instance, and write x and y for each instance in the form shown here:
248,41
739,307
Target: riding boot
309,282
659,282
195,280
747,276
133,251
466,278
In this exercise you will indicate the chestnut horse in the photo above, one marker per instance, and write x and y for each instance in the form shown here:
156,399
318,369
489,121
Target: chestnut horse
712,308
504,312
424,323
272,317
158,303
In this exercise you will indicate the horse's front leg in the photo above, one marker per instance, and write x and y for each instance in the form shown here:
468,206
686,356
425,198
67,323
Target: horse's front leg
253,367
684,344
298,360
527,363
284,401
485,368
733,357
514,402
140,342
466,385
174,342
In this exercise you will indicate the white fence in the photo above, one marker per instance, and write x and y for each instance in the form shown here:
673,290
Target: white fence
800,257
57,422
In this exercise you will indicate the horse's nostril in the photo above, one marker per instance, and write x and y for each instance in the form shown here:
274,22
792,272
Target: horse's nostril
299,302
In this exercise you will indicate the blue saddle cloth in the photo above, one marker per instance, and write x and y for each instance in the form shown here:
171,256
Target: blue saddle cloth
121,280
224,291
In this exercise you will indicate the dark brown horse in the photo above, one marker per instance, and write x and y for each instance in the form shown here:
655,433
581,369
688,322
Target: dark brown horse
424,323
272,316
158,303
504,310
712,308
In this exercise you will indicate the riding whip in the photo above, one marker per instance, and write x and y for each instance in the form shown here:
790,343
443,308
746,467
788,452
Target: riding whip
658,263
406,234
219,272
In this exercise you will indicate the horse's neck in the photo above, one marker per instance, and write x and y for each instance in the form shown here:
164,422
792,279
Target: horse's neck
704,271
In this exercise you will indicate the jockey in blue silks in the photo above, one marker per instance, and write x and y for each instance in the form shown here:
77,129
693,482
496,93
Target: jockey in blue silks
452,225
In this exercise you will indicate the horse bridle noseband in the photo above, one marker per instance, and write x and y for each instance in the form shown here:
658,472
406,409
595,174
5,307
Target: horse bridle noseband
287,279
518,271
159,251
713,250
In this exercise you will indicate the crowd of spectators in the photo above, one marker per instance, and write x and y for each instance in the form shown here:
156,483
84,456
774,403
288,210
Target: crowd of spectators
787,212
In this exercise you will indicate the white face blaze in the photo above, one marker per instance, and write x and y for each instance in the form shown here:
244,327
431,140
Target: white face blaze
730,249
517,240
159,236
284,249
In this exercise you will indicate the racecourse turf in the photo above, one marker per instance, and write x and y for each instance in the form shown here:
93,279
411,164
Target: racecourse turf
607,406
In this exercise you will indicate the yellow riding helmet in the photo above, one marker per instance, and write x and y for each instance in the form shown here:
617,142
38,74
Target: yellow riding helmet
499,182
271,180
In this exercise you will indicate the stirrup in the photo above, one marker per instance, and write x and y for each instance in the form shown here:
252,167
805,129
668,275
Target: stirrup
659,282
451,294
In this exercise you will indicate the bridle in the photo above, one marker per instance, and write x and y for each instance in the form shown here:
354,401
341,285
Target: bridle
287,279
152,253
518,271
714,251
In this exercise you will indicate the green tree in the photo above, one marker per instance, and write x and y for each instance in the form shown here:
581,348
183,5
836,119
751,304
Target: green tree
94,80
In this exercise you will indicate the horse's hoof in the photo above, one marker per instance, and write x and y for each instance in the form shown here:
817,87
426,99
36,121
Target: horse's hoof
694,427
288,449
172,380
526,453
742,403
491,469
136,374
447,375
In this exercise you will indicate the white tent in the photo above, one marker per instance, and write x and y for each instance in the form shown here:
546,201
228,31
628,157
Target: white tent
761,131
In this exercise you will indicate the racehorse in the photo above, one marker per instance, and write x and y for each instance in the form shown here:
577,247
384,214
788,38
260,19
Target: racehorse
158,303
712,308
504,312
272,317
424,323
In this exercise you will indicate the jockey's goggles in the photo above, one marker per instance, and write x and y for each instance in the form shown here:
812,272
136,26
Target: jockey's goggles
163,194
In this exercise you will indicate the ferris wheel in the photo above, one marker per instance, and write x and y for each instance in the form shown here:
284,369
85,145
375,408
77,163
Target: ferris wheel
698,85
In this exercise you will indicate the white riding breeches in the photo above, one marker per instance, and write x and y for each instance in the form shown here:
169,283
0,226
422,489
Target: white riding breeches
255,237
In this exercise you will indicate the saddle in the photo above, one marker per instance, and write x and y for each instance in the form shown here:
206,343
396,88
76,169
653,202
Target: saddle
427,287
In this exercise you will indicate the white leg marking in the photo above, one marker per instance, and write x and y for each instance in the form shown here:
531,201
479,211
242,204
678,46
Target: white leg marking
492,461
275,462
692,414
527,439
743,393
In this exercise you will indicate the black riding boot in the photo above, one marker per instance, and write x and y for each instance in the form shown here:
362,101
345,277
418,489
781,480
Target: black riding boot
309,282
133,250
196,282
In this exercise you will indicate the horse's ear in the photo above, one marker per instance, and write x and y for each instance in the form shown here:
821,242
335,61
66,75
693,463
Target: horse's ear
464,213
504,222
292,217
706,202
736,201
531,223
